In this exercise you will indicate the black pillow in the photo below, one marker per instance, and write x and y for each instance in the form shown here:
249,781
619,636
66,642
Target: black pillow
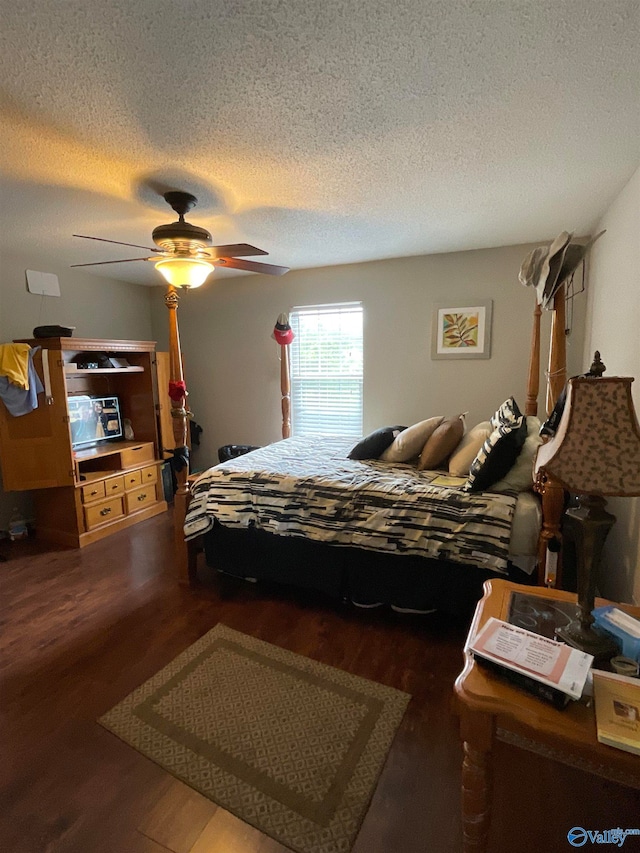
500,450
372,446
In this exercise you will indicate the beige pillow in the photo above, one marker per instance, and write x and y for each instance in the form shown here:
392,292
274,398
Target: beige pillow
410,442
464,454
442,443
520,477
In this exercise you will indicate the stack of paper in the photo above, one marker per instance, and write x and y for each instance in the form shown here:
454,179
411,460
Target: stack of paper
548,669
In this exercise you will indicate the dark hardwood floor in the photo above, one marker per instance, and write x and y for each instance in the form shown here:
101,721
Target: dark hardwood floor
81,629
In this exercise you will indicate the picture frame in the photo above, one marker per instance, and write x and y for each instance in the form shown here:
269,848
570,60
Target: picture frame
463,331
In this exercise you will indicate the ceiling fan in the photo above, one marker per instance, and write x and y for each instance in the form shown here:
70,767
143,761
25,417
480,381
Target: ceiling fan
185,254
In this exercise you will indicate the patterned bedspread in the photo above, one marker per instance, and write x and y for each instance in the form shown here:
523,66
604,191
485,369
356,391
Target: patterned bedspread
306,486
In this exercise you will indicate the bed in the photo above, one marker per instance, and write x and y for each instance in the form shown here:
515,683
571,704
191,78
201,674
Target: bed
369,532
348,528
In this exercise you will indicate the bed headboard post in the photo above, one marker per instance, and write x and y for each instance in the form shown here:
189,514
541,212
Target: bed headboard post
557,375
550,491
533,383
285,390
180,419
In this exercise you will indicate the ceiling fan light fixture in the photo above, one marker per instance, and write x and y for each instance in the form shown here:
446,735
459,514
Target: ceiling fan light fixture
184,272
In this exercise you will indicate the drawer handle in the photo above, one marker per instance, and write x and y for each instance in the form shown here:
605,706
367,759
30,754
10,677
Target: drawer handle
115,486
105,511
94,492
141,497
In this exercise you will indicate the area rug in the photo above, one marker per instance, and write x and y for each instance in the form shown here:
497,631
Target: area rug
289,745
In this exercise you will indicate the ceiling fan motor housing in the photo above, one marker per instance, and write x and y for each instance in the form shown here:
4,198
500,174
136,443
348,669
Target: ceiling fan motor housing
181,237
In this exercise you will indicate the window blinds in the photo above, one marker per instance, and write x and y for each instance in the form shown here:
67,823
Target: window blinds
326,369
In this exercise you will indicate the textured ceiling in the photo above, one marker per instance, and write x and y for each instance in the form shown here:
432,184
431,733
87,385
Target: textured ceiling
332,132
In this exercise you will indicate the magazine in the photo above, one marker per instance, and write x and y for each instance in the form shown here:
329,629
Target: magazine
617,700
560,669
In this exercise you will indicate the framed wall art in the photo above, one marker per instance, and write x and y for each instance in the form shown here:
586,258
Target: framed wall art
462,331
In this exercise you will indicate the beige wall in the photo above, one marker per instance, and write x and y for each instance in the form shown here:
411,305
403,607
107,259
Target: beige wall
612,324
232,367
97,307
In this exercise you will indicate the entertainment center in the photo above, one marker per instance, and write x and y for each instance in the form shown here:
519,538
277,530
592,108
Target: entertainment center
87,481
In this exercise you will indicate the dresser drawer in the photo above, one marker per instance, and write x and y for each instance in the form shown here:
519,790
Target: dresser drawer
149,474
139,498
103,512
136,455
113,486
93,492
132,479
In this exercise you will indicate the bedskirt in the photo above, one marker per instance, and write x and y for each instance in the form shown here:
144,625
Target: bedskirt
365,578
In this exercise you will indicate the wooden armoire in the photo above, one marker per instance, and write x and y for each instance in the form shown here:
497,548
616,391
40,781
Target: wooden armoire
84,494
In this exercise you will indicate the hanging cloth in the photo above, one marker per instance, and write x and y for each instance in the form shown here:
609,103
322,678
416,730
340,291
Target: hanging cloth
14,364
21,401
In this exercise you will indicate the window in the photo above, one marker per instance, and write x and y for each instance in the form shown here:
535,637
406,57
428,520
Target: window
326,369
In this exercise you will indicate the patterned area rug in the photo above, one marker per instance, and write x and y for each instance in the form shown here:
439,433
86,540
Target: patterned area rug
291,746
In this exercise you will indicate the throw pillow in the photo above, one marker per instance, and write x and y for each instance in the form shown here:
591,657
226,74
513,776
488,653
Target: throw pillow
372,445
520,477
464,454
410,442
442,443
499,452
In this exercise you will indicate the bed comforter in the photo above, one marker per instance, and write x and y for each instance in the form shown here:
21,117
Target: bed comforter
307,487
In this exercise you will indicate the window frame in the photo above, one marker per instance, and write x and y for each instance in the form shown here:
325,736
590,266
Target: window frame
352,415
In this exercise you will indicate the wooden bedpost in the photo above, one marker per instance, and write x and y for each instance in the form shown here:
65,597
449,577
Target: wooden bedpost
185,558
285,390
551,492
533,384
557,376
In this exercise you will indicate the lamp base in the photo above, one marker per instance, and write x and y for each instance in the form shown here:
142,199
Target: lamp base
587,640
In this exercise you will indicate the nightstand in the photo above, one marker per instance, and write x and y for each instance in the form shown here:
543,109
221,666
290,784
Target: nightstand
490,708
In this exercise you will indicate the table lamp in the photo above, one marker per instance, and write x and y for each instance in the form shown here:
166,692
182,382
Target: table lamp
594,453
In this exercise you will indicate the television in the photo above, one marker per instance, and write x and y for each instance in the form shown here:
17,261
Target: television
93,420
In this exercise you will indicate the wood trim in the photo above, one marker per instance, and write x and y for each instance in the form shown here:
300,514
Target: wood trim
90,344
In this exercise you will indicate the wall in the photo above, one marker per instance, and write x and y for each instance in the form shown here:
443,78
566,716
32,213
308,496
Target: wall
612,323
97,307
231,361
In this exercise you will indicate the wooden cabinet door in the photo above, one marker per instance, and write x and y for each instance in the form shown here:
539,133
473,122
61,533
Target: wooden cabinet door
165,421
35,449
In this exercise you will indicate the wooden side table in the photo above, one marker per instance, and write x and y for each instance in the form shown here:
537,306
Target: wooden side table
492,708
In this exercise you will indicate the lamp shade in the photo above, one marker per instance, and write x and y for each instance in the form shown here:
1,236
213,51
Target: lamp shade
596,448
184,272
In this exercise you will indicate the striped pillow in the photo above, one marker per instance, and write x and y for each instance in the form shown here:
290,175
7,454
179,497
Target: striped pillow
500,450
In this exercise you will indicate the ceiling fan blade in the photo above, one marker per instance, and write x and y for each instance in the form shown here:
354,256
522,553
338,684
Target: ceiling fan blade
120,261
116,242
234,250
250,266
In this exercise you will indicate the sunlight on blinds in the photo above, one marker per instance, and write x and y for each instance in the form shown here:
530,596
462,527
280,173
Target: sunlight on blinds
326,369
